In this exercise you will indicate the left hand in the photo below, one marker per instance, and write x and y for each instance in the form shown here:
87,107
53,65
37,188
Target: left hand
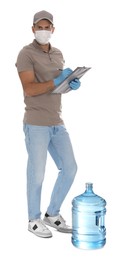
75,84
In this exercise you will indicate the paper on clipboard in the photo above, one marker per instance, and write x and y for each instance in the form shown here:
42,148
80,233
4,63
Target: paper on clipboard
64,86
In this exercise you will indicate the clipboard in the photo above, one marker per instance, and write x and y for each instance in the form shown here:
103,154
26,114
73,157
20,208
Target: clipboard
64,86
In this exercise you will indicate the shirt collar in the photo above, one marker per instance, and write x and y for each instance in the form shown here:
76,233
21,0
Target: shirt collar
37,45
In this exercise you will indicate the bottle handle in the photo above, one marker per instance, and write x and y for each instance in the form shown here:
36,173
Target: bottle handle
99,221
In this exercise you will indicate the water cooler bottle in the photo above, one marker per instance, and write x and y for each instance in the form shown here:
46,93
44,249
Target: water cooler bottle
88,220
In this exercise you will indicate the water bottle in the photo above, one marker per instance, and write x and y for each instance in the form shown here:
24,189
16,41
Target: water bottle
88,220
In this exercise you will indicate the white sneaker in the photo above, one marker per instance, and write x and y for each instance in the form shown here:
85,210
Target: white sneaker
57,222
38,227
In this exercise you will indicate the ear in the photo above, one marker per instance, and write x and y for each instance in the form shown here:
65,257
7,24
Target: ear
53,29
33,29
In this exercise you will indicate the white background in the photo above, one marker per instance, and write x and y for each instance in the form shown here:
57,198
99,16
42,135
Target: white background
87,32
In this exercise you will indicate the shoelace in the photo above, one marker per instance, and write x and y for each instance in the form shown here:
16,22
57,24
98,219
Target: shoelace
42,224
61,219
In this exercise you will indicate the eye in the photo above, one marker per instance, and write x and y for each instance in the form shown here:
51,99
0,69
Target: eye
40,28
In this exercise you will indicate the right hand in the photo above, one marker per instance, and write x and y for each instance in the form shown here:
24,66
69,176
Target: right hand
63,75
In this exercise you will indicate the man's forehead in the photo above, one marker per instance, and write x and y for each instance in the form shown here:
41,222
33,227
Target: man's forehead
43,22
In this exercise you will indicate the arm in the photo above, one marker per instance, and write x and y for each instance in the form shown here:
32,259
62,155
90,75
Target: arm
32,88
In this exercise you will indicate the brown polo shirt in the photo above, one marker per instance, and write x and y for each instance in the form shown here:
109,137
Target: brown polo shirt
44,109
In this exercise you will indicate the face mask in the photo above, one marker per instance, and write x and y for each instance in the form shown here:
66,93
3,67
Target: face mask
43,36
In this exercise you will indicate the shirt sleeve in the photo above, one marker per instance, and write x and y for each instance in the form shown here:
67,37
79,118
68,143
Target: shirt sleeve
24,61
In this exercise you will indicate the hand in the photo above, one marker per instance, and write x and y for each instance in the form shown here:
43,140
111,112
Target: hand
75,84
63,75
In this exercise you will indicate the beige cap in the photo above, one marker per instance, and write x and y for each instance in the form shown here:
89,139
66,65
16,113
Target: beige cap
42,15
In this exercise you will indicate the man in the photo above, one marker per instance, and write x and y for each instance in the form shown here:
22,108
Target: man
40,68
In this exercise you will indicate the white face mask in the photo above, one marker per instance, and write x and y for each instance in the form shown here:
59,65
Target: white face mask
43,36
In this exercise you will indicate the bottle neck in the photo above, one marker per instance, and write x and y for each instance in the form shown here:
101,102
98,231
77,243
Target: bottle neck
89,187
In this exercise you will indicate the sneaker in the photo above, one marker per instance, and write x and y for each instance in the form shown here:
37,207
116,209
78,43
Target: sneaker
57,222
38,228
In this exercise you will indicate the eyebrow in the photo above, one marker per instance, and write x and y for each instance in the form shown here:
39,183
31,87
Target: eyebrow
46,26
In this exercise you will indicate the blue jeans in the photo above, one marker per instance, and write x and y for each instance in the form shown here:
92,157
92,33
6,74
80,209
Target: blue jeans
39,140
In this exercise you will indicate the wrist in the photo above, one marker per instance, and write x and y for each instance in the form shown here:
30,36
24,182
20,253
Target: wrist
55,82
